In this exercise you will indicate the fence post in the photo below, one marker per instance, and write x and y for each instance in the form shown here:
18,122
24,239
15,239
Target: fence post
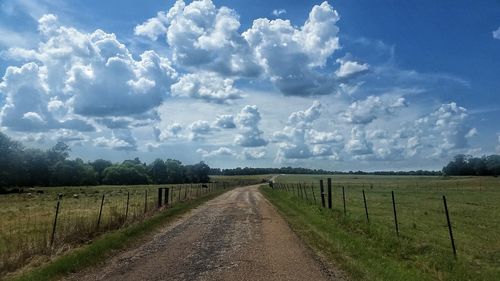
146,201
167,193
329,183
55,223
449,227
100,212
343,199
160,192
322,189
314,196
179,190
395,214
126,209
366,208
305,192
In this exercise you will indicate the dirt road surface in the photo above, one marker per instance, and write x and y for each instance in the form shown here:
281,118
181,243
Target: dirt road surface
236,236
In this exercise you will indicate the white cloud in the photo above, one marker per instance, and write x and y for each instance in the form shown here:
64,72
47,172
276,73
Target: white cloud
254,153
119,140
199,129
248,120
225,122
307,116
206,86
154,27
298,140
279,12
73,75
170,132
350,69
373,107
222,151
357,144
496,33
289,54
203,36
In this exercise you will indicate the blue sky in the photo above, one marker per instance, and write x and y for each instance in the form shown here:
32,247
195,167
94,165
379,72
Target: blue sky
340,85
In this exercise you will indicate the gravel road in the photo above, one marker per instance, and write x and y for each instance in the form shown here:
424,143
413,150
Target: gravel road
236,236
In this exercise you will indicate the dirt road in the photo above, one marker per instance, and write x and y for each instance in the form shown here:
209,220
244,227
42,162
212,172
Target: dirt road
236,236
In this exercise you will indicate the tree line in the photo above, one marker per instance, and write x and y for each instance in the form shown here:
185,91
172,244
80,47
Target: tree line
25,167
466,165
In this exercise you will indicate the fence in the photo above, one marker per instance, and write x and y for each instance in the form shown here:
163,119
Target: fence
306,193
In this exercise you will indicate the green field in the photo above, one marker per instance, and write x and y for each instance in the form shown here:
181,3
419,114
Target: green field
423,249
26,219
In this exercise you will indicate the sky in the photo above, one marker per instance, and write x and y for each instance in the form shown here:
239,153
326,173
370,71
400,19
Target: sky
337,85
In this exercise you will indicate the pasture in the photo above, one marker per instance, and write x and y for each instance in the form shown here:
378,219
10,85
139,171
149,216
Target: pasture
372,250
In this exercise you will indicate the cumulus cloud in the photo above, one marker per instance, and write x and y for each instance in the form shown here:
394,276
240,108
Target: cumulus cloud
254,153
73,76
170,132
153,27
119,140
357,144
204,37
441,133
27,105
298,140
279,12
225,122
373,107
248,120
349,69
222,151
496,33
199,129
206,86
289,55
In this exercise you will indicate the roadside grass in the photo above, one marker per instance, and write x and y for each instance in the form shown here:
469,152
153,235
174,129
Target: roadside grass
107,244
423,251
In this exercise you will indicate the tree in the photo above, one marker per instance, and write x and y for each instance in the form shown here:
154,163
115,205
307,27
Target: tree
157,171
125,174
175,171
99,166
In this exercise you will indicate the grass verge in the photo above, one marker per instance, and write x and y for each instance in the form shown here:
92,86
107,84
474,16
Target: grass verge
105,245
365,252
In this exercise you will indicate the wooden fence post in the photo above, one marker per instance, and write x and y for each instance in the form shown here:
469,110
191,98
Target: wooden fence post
160,192
329,183
100,212
314,196
322,189
167,195
146,201
55,224
126,209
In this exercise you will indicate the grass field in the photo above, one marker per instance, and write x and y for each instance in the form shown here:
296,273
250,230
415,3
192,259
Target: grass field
26,219
423,249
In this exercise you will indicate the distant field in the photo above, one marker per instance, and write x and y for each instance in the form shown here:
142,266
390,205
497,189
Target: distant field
26,219
424,244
